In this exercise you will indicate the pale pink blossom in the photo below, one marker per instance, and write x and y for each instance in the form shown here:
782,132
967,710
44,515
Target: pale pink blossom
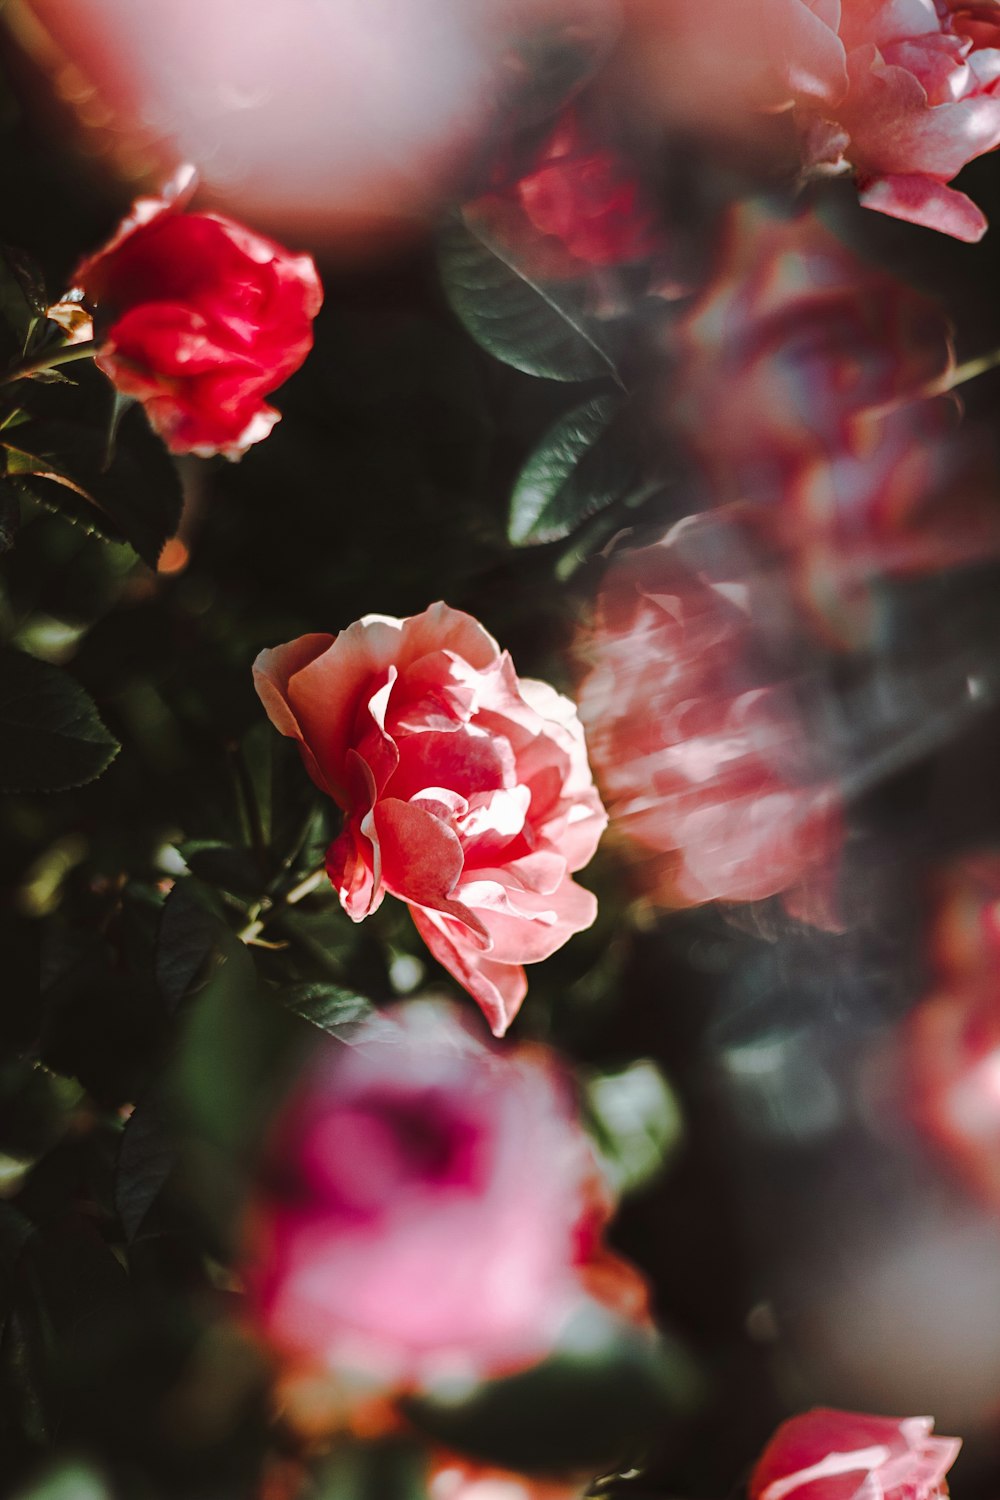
428,1207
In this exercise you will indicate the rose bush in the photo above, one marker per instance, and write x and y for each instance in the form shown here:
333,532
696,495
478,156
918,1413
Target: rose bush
701,753
466,790
841,1455
199,318
428,1206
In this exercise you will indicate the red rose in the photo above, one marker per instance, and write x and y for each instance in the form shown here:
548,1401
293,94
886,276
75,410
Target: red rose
200,318
428,1206
466,790
844,1455
585,196
701,754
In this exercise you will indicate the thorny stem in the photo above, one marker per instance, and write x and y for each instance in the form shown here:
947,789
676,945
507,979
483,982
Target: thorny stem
48,361
251,932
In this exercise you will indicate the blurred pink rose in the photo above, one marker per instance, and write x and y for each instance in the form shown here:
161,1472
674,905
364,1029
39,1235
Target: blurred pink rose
951,1040
199,318
802,385
923,98
842,1455
466,790
323,117
793,338
701,753
427,1206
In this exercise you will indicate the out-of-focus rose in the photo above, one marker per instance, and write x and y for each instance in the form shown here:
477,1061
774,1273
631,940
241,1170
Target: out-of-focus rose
923,98
712,65
323,117
466,789
700,750
200,318
794,338
801,387
844,1455
912,492
952,1038
585,196
426,1206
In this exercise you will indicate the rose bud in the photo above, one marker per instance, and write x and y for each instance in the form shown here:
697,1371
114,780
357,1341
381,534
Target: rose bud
466,790
428,1207
199,318
701,751
923,99
842,1455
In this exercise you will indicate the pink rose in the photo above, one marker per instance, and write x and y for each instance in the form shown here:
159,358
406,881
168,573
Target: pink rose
466,790
702,755
802,385
793,338
427,1206
200,318
842,1455
923,98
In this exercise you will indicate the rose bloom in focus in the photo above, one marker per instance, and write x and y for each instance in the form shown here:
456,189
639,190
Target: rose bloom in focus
842,1455
923,98
701,753
951,1040
466,790
428,1207
199,318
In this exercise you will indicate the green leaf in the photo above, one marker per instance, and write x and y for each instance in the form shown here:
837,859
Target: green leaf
134,498
582,465
22,297
336,1011
187,938
146,1159
637,1121
51,737
232,1064
540,328
10,514
224,865
607,1390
